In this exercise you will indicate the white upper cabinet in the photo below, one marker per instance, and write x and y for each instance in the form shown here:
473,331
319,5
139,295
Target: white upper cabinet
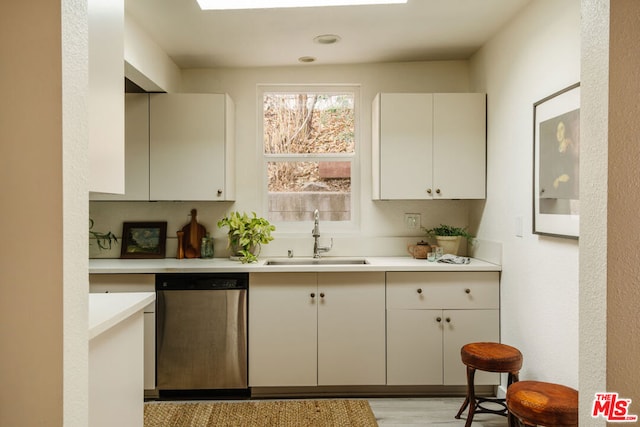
429,146
460,145
106,103
136,150
178,147
190,141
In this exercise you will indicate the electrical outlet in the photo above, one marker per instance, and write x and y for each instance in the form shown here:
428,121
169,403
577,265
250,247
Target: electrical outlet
412,221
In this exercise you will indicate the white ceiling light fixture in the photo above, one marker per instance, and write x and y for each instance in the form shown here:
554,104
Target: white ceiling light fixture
327,39
271,4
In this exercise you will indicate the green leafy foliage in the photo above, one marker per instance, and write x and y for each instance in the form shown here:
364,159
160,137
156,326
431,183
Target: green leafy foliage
449,230
103,240
246,234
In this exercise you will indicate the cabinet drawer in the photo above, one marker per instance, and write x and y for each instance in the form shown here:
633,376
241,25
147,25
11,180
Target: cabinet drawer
443,290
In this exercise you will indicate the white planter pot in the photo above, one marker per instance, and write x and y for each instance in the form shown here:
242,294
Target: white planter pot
449,244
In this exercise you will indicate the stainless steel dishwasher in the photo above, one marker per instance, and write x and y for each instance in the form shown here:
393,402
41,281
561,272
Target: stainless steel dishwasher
201,331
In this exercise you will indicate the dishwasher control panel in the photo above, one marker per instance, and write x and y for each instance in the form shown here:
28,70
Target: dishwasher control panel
201,281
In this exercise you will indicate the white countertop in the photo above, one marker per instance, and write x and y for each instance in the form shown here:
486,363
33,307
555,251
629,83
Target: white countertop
197,265
108,309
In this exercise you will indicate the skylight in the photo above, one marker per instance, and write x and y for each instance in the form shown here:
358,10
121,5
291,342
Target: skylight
270,4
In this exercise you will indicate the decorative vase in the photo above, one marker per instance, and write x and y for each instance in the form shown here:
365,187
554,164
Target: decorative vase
236,248
449,244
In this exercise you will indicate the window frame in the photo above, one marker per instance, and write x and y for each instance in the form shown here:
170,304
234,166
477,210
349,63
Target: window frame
302,227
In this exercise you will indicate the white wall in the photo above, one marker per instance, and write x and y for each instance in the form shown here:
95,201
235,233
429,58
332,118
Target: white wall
146,64
537,54
594,238
382,230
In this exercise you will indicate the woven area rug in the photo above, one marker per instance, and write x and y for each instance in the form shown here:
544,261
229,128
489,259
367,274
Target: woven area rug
298,413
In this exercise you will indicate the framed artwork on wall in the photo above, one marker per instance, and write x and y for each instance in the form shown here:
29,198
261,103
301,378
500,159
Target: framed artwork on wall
556,161
144,240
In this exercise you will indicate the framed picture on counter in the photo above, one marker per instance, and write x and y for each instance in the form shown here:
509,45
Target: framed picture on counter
144,239
556,161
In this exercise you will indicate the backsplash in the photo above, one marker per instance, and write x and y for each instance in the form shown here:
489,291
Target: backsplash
382,233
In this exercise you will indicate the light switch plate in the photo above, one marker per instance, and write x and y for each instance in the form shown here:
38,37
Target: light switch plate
518,226
412,221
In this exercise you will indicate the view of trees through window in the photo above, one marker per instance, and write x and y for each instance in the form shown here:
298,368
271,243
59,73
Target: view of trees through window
309,145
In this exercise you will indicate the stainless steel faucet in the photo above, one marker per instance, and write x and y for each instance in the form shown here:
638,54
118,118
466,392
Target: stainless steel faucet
317,249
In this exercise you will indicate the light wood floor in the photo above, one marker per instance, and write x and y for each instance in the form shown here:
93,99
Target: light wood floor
432,411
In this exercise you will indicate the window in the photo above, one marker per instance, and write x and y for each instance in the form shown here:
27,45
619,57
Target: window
309,145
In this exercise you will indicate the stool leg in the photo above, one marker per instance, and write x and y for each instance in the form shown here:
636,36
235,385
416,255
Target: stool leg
470,400
512,421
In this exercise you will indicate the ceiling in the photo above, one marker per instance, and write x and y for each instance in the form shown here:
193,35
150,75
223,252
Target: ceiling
421,30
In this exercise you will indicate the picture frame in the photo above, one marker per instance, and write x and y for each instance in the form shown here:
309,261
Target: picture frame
556,164
144,239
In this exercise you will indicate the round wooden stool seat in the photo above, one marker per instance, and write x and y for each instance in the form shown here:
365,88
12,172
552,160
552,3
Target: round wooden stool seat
490,357
540,403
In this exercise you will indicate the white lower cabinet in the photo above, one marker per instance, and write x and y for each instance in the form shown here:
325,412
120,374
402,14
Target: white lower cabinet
316,329
134,283
430,316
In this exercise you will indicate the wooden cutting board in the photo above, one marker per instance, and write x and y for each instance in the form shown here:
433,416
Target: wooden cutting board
193,234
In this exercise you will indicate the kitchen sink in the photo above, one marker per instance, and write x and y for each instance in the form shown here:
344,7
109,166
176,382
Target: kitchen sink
316,261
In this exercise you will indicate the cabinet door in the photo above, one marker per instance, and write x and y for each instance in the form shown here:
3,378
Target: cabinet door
462,327
134,283
283,329
414,347
351,328
106,103
406,139
187,146
459,145
136,135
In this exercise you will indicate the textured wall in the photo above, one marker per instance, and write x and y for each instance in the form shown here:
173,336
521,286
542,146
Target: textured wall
593,219
75,131
623,227
537,54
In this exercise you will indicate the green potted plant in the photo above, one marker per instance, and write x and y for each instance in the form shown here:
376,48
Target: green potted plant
449,237
246,235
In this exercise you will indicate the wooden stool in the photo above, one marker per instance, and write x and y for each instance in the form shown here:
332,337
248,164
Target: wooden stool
490,357
538,403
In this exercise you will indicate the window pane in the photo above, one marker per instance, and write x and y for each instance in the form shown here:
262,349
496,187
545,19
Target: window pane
308,123
296,189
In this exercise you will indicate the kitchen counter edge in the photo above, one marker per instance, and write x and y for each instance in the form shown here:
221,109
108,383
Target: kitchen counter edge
106,310
219,265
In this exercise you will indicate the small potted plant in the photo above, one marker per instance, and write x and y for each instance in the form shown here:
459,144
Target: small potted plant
246,235
449,237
